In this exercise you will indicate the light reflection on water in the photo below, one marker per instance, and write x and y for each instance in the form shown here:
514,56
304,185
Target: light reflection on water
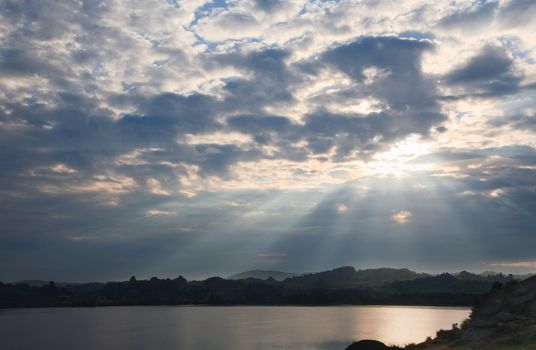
220,328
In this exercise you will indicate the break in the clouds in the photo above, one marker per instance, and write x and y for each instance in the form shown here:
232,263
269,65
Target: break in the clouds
198,138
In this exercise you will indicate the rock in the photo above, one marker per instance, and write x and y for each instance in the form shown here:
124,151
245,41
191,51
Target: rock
473,334
368,345
514,325
521,300
506,312
531,309
483,323
504,316
491,308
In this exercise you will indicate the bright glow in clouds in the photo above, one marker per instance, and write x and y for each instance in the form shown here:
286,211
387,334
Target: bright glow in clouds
188,136
398,160
516,264
155,212
155,187
341,208
402,216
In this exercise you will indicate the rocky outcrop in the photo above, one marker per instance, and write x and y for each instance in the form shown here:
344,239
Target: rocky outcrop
368,345
504,319
508,310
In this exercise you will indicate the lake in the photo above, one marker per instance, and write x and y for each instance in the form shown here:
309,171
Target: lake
220,328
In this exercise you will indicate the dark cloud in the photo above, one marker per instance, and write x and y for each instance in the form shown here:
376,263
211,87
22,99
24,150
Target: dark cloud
174,113
17,62
399,64
489,73
401,56
523,155
41,20
216,159
408,111
264,128
269,6
519,122
480,14
252,124
517,12
365,134
99,142
268,82
492,62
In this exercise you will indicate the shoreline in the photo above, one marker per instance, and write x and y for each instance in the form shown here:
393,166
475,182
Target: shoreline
453,307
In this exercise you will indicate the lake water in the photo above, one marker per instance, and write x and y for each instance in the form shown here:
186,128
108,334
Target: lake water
219,328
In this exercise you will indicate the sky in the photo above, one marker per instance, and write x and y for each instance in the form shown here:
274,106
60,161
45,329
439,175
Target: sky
167,137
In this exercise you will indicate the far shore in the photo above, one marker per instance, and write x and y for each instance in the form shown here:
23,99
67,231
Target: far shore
453,307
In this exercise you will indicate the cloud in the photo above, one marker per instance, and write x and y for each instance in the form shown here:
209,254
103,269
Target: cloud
159,213
520,122
269,5
406,111
402,216
155,187
266,79
514,13
397,55
341,208
114,118
478,14
228,24
272,255
516,264
490,63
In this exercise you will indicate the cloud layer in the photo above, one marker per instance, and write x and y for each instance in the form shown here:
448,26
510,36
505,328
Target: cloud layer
164,137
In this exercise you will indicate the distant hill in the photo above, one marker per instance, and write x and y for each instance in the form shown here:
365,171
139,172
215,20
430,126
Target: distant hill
34,283
340,286
349,277
72,287
486,277
444,283
212,291
488,273
263,275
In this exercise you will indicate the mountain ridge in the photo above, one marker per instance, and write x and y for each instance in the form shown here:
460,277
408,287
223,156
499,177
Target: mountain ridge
340,286
263,275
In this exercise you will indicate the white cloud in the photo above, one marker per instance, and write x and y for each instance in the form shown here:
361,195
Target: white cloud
272,255
155,187
402,216
102,103
341,208
524,264
159,213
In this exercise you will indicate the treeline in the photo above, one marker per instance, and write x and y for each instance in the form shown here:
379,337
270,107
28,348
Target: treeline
216,291
339,286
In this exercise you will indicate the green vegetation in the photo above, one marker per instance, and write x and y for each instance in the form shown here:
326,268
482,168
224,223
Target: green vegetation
341,286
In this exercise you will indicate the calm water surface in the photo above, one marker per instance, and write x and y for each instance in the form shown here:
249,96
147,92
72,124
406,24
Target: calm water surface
219,328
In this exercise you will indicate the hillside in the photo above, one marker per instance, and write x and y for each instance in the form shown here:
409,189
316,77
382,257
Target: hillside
446,283
340,286
506,316
349,277
503,319
262,275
